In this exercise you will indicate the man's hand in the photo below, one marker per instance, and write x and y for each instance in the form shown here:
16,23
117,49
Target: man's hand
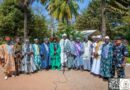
96,55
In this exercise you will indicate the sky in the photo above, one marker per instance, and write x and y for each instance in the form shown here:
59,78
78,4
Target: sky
39,9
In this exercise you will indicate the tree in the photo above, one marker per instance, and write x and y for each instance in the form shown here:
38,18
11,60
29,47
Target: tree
69,30
62,10
90,17
25,4
38,27
11,18
118,6
103,18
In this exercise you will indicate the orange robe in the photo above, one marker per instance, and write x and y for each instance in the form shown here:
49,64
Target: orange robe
9,66
1,55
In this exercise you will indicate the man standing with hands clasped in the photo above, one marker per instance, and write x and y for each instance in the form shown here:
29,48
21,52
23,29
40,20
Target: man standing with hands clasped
63,44
120,53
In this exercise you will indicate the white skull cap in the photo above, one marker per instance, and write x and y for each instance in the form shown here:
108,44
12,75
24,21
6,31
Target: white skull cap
36,39
99,36
27,40
64,35
93,36
107,37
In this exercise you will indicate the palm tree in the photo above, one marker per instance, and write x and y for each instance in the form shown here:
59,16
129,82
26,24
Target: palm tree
62,10
119,6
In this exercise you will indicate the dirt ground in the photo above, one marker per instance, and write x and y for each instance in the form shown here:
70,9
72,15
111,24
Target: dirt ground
55,80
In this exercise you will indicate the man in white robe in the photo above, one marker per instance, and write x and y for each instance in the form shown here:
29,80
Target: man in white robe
92,49
97,56
63,45
87,54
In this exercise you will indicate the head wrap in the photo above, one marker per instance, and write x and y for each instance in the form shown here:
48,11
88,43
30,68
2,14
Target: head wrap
7,38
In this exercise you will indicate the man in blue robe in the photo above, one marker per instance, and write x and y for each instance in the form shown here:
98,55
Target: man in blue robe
45,54
120,54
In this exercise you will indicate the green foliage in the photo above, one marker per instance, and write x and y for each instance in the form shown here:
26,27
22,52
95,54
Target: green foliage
129,50
90,17
116,23
62,10
128,60
11,18
12,21
118,6
68,29
38,27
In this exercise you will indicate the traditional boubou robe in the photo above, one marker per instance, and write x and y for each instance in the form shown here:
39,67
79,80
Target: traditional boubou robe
8,55
78,52
18,57
63,54
1,56
28,65
45,55
106,60
87,55
97,58
120,52
70,54
55,55
37,57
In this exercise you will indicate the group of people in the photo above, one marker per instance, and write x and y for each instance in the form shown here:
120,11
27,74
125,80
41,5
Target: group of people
101,57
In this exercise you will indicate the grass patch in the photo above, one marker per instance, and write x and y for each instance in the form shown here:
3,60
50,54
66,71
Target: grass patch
128,60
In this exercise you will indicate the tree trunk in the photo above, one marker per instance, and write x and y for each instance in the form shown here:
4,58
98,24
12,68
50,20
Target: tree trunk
52,27
103,20
25,24
67,21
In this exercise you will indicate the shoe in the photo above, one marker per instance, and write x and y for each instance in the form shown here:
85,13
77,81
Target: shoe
6,77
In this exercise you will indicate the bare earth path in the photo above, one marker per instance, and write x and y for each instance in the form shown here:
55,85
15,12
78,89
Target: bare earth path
55,80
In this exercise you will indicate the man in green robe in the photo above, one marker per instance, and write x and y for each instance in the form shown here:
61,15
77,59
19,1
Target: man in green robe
55,54
36,52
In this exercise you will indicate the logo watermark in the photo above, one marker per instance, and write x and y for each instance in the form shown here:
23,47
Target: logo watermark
119,84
